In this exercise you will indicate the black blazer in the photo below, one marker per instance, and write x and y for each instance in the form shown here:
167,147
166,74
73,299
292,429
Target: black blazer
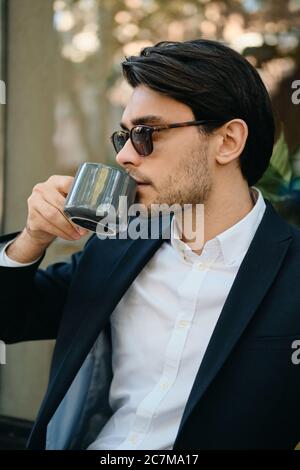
246,392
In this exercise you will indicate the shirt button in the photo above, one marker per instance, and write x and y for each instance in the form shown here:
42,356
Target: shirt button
200,267
182,323
133,438
164,385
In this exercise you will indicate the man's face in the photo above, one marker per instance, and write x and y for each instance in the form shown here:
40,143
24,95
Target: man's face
178,171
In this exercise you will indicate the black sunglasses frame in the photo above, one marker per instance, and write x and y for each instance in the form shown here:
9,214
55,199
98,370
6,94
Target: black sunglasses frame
151,129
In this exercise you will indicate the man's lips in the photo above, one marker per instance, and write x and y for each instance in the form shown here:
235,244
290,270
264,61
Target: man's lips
141,186
140,182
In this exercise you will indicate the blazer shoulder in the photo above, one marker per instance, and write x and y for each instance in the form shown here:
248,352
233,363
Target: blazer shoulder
293,254
278,228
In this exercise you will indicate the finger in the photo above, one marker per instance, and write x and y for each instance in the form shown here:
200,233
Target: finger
62,183
52,230
55,199
55,219
79,229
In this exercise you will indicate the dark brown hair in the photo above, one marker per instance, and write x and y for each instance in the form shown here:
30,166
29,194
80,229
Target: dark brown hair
216,82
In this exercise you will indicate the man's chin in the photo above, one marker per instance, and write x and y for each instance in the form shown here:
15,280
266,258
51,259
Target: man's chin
156,208
154,204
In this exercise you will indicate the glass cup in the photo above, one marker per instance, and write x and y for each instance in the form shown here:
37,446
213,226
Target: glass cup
93,201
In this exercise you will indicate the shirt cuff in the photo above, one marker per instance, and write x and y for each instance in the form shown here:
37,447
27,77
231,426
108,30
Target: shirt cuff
7,262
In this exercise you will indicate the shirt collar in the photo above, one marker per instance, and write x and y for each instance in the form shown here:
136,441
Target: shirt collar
232,244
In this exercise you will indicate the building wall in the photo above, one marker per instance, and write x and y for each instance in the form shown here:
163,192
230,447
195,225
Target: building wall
31,72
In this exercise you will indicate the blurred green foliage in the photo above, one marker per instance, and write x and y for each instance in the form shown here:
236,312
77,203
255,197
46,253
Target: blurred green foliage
280,183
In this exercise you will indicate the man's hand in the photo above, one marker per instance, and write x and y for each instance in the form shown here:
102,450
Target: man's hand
45,221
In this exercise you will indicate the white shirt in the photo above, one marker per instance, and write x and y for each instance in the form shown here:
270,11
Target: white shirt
161,328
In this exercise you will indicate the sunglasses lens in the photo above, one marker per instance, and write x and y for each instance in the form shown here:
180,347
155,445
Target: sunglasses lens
119,139
142,140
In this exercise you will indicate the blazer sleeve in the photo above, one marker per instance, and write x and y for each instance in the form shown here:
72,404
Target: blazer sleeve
32,299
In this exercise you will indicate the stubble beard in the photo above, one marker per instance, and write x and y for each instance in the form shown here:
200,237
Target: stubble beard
190,183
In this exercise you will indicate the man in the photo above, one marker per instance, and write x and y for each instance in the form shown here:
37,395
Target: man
159,345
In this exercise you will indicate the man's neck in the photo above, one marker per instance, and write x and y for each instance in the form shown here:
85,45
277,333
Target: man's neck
218,215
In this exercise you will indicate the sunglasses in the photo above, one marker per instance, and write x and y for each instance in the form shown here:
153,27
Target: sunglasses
141,135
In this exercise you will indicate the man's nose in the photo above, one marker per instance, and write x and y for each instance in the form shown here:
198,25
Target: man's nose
128,155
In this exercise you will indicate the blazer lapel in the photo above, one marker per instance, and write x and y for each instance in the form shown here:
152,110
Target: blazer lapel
255,276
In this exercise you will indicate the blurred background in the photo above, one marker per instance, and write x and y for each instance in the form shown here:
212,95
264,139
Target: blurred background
64,95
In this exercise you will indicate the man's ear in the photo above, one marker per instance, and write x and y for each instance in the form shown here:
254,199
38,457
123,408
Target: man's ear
233,136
